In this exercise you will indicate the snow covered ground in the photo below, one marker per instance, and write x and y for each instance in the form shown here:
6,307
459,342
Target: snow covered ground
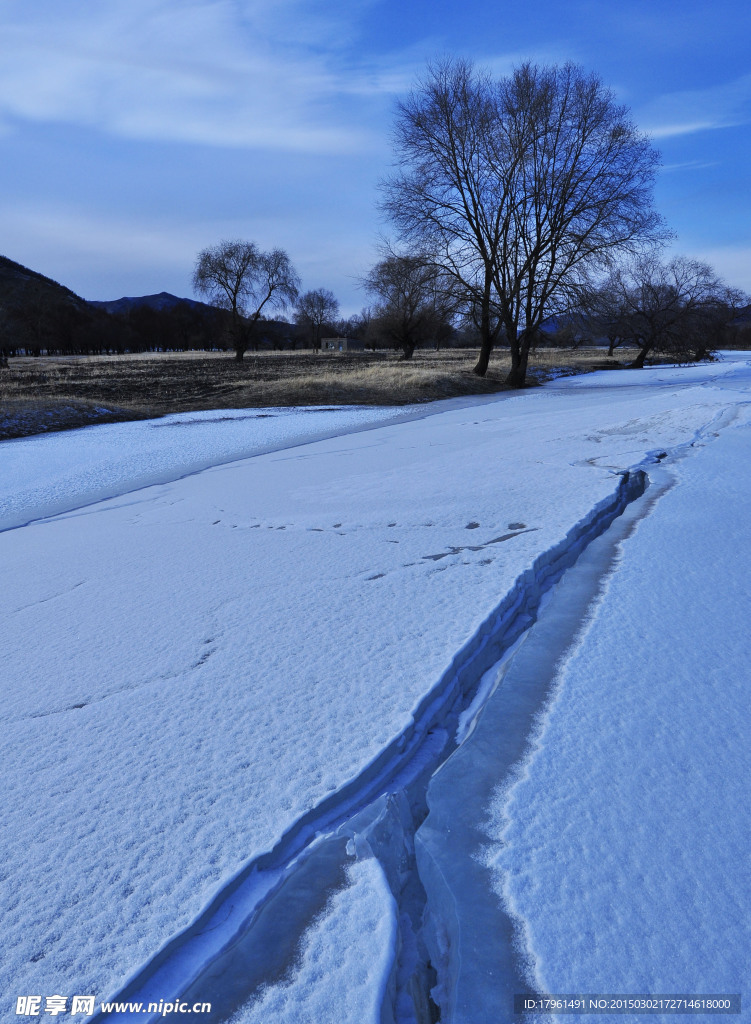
50,473
203,674
625,849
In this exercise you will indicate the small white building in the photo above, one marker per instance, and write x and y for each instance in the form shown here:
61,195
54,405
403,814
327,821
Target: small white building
334,344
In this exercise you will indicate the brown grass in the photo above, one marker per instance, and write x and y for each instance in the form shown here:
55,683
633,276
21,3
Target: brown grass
56,393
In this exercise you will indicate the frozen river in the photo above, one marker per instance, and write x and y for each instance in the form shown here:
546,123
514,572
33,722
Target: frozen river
228,684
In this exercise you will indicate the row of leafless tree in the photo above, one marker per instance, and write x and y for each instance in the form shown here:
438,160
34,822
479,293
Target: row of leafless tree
677,306
415,302
248,283
516,201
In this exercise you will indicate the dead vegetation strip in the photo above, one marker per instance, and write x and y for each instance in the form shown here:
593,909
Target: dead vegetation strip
60,393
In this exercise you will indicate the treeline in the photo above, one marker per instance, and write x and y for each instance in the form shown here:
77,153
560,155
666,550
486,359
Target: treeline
39,317
677,307
38,320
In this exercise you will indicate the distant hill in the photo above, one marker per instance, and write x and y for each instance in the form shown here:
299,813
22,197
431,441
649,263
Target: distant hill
162,301
165,301
16,279
271,330
38,316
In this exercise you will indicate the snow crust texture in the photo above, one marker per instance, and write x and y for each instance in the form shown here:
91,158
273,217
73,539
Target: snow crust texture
191,668
625,840
52,473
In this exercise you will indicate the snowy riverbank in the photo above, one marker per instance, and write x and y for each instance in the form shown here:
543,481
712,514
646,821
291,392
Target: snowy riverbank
204,674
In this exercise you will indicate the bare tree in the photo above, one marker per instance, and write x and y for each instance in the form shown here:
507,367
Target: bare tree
238,277
680,307
518,187
315,310
601,312
415,301
362,326
350,327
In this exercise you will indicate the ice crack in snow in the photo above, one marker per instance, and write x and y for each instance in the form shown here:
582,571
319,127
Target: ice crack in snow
402,771
480,547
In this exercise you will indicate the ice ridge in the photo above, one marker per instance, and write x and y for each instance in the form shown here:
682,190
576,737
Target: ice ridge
404,766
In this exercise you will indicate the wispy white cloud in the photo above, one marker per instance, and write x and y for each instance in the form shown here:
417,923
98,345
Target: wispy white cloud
667,131
216,72
683,113
689,165
277,74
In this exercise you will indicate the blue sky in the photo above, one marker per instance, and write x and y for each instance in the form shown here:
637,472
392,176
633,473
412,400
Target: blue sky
135,132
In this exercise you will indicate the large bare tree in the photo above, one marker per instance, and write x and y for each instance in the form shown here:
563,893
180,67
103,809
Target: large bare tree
238,277
518,187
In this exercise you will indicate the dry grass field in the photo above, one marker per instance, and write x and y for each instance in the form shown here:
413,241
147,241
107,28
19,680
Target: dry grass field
58,393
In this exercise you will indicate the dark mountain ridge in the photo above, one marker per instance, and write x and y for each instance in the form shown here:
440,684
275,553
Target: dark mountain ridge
39,316
14,277
161,301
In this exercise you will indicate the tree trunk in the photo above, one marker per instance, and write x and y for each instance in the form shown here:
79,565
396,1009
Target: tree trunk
481,366
239,336
638,363
241,345
408,349
519,357
486,337
518,373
